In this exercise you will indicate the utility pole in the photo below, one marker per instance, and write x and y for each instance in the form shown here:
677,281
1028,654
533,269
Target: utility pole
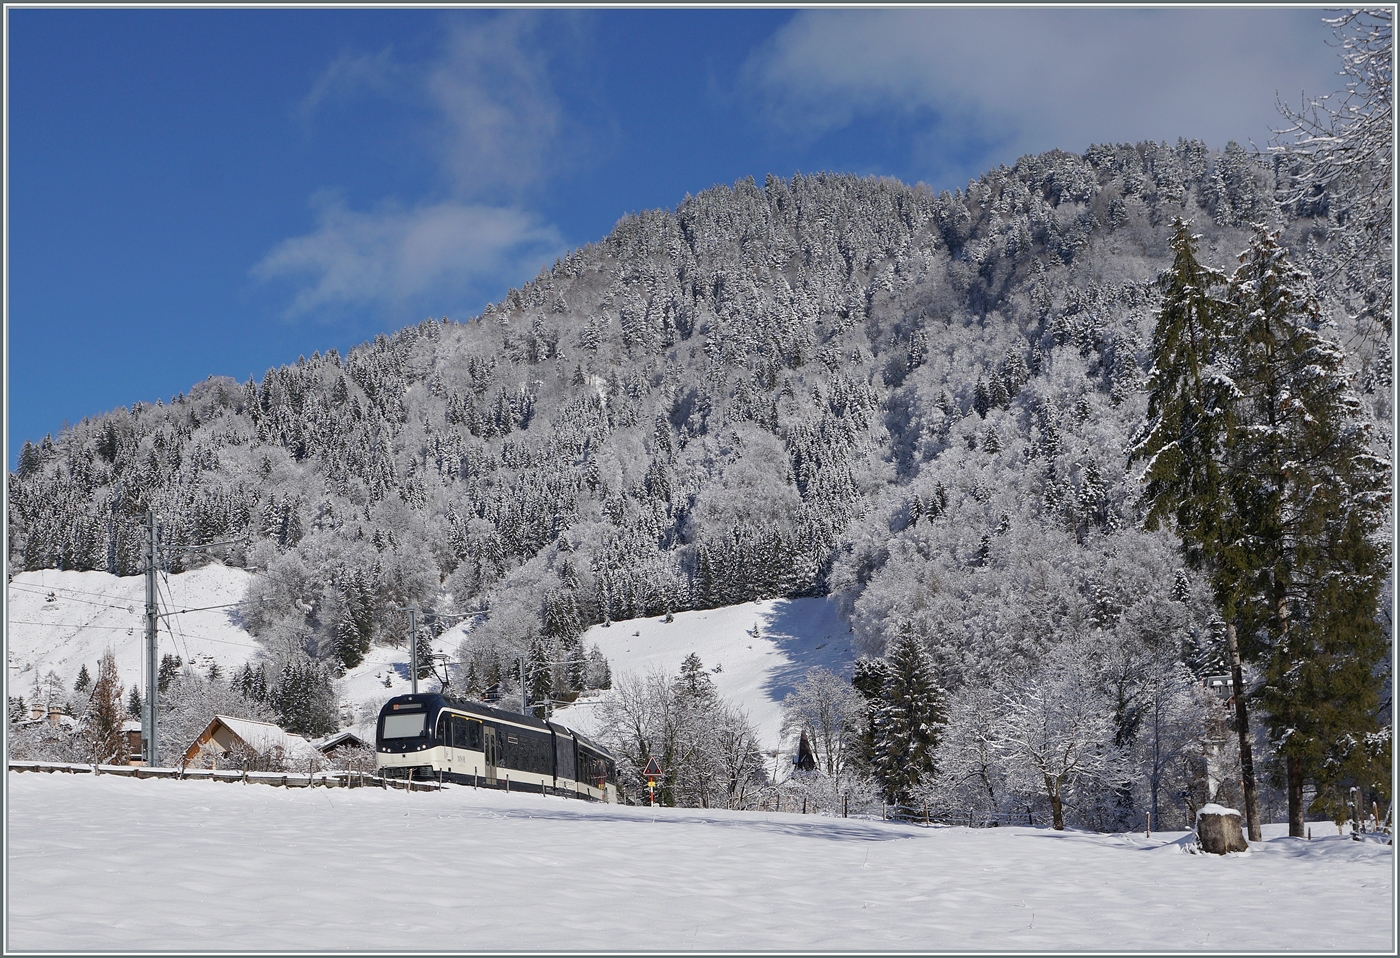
150,741
150,708
413,644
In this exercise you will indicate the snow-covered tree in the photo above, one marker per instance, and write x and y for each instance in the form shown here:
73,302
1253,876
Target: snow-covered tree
1337,155
1056,729
907,721
829,710
1313,496
105,714
1187,447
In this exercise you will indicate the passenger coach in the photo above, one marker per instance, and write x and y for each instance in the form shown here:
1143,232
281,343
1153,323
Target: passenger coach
430,736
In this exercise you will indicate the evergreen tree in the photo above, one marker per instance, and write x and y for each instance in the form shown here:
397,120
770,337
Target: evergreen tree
1313,497
425,654
169,668
133,703
355,623
304,699
105,714
84,680
869,678
539,678
908,721
1190,410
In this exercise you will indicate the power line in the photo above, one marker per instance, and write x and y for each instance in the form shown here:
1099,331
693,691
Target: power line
130,606
25,586
58,625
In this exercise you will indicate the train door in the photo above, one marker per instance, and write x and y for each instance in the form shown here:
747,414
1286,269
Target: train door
491,747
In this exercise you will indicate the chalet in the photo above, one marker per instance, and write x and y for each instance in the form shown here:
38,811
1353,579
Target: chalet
351,738
245,743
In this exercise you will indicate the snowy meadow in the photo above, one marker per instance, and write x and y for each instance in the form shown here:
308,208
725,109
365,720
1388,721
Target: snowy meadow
115,864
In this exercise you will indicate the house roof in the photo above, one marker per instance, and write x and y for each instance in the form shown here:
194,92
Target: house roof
264,737
357,735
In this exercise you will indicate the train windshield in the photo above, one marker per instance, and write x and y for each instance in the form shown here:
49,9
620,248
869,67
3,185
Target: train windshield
411,725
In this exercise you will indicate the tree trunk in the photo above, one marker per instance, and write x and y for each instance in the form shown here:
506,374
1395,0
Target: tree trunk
1052,792
1251,800
1296,825
1293,763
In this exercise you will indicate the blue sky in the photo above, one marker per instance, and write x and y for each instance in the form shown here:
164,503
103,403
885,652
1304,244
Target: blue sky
197,192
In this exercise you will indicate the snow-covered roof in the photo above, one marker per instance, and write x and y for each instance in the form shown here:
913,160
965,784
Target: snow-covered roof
264,737
358,734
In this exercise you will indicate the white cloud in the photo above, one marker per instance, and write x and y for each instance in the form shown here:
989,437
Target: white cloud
396,257
501,119
1029,80
495,131
350,73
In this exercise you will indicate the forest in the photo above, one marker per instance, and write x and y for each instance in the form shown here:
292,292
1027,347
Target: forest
968,416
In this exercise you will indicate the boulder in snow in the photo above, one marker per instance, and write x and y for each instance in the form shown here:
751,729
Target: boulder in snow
1218,830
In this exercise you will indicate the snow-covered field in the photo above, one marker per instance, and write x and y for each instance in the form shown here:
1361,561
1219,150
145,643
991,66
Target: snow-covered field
139,866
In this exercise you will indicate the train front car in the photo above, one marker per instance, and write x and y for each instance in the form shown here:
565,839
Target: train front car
406,741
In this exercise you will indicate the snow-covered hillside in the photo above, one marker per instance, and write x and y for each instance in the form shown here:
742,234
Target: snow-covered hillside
97,864
756,652
61,621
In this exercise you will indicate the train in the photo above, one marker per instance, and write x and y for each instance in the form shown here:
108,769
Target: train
432,737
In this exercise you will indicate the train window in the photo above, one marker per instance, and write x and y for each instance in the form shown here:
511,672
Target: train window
471,735
564,756
459,732
405,726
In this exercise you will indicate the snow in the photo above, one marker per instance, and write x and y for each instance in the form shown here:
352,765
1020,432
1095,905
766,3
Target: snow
761,651
107,863
1214,809
92,611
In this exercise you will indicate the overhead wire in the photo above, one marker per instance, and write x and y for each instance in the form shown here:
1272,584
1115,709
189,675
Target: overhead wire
102,605
173,625
26,587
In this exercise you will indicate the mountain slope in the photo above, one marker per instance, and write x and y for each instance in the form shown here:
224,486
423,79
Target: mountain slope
828,385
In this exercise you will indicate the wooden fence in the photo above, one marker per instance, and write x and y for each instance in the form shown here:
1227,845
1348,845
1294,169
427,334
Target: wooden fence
281,779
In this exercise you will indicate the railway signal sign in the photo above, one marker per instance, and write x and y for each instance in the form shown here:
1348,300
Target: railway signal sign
652,772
